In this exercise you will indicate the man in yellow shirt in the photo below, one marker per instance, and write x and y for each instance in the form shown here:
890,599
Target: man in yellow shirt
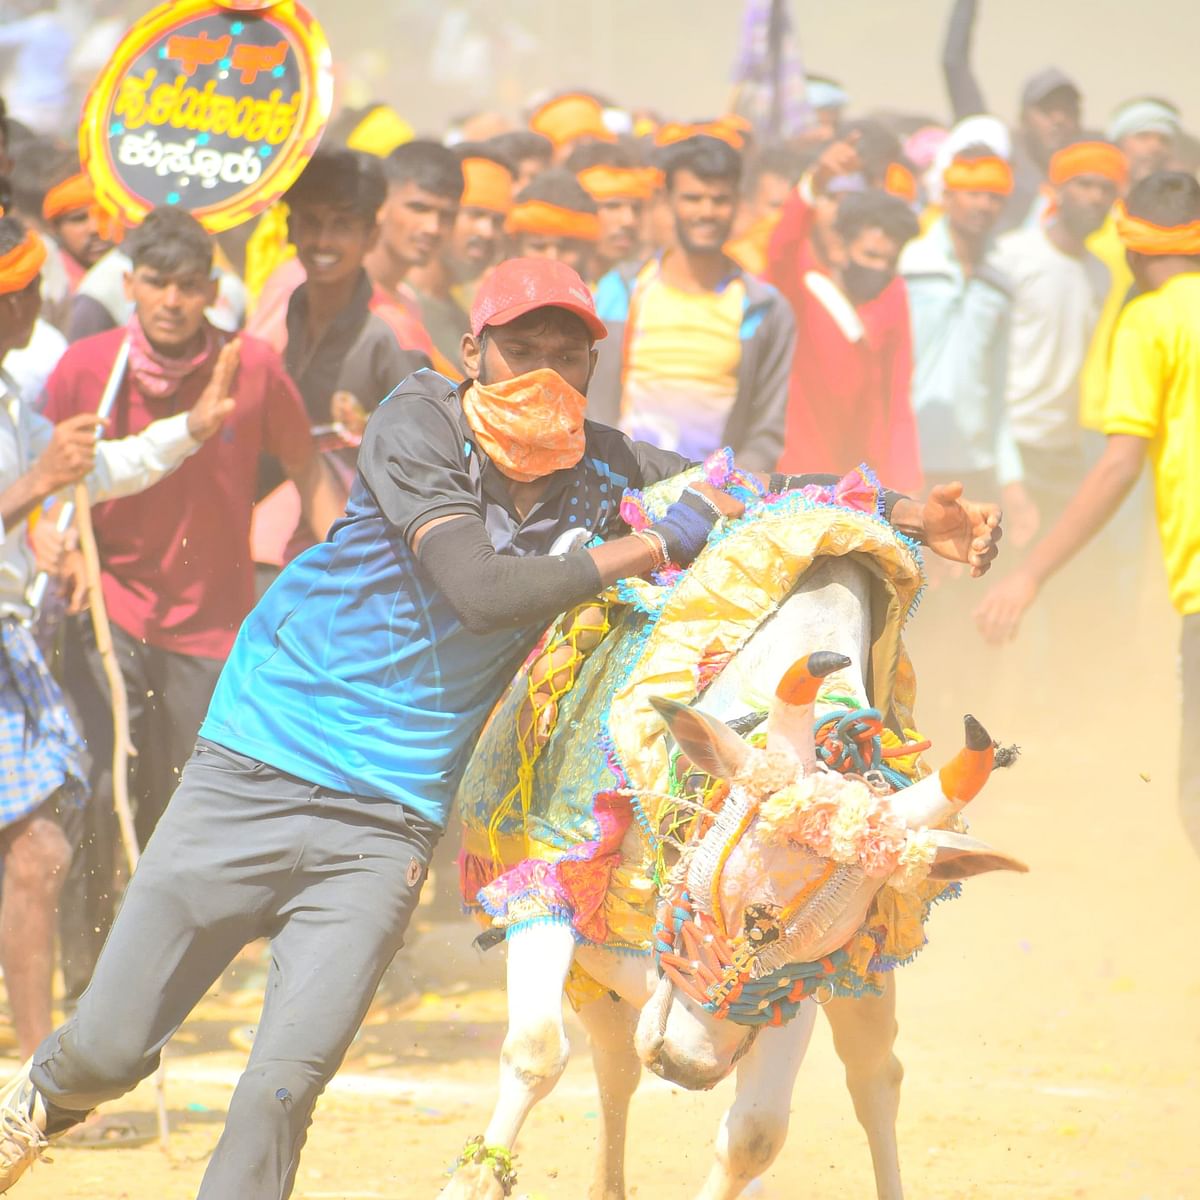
1153,408
700,349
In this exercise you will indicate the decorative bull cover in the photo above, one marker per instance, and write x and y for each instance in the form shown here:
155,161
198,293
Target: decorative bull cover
563,801
213,105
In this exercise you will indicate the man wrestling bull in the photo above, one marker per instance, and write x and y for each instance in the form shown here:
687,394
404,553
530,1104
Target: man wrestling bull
347,710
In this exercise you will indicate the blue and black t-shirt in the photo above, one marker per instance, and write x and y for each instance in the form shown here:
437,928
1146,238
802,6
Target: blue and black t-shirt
353,672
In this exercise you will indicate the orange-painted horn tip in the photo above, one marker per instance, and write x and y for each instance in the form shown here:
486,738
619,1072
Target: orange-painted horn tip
966,773
802,679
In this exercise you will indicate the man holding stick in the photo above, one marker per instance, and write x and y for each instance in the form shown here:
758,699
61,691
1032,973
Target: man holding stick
176,569
41,755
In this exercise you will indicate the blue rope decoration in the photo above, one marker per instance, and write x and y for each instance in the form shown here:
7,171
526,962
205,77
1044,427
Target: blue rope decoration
852,723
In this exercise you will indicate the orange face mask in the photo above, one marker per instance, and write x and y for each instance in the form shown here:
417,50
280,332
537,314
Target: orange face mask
530,425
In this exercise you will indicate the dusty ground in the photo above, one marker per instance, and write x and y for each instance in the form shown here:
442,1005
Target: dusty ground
1049,1032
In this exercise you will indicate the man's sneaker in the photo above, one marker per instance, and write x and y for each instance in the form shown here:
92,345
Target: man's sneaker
22,1127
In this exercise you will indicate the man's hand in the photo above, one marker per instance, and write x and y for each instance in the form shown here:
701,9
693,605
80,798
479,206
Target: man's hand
961,530
1024,520
75,582
998,616
838,158
215,404
71,453
727,504
51,545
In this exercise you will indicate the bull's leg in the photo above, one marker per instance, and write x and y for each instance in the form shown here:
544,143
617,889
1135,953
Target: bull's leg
864,1032
535,1048
753,1130
611,1025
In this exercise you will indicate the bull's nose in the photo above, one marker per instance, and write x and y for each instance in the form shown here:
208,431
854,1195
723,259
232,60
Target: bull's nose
686,1072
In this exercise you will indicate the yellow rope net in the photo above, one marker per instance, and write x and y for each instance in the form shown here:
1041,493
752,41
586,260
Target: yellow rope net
548,678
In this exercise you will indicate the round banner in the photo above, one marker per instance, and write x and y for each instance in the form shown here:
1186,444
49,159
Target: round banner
212,106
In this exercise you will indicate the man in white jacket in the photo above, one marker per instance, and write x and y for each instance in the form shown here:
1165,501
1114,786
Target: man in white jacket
41,765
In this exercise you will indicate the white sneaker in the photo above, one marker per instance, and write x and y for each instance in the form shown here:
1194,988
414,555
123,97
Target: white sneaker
22,1127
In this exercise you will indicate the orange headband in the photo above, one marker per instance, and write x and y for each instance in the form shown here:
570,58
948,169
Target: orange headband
75,192
727,130
536,216
979,175
22,264
620,183
1143,237
486,185
1089,158
899,182
566,118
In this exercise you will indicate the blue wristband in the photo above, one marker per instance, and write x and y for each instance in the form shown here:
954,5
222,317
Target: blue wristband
685,527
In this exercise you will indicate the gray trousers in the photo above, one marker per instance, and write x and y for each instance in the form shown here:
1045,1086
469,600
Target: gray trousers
244,851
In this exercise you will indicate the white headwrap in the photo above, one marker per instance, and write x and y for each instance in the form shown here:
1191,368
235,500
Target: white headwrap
971,131
1143,116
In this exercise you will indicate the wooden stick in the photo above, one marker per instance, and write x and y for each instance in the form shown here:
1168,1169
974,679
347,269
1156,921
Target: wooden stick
123,746
108,398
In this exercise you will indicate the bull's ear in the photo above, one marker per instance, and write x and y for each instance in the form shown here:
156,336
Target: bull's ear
710,744
960,856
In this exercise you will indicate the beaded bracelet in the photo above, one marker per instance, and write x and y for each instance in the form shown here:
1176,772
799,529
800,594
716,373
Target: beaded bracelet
657,544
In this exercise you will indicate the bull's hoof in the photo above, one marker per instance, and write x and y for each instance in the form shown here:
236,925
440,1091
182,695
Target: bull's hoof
473,1181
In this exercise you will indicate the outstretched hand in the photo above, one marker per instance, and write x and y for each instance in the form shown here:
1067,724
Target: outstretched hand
215,404
962,530
998,615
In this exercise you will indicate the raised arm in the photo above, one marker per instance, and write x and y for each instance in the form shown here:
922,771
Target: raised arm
966,97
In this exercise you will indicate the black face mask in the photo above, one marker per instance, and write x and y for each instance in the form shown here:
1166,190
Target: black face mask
864,283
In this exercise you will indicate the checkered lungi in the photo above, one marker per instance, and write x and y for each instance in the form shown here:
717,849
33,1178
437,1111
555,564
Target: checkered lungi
41,752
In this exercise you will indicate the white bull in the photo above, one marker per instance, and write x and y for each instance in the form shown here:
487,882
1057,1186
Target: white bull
674,1035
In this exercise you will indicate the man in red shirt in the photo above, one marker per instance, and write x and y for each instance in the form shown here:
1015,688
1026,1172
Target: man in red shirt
177,575
835,261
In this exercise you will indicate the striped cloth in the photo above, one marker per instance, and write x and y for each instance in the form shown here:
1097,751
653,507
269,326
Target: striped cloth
41,752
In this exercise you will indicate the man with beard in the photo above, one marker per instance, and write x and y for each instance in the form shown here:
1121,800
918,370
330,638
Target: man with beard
1146,130
961,301
700,349
43,757
1058,290
621,185
849,387
445,285
51,194
83,230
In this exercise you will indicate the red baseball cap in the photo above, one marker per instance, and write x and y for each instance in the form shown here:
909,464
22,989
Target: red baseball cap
519,285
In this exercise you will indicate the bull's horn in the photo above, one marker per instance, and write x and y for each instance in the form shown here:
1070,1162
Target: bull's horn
710,744
802,680
960,856
931,800
790,724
